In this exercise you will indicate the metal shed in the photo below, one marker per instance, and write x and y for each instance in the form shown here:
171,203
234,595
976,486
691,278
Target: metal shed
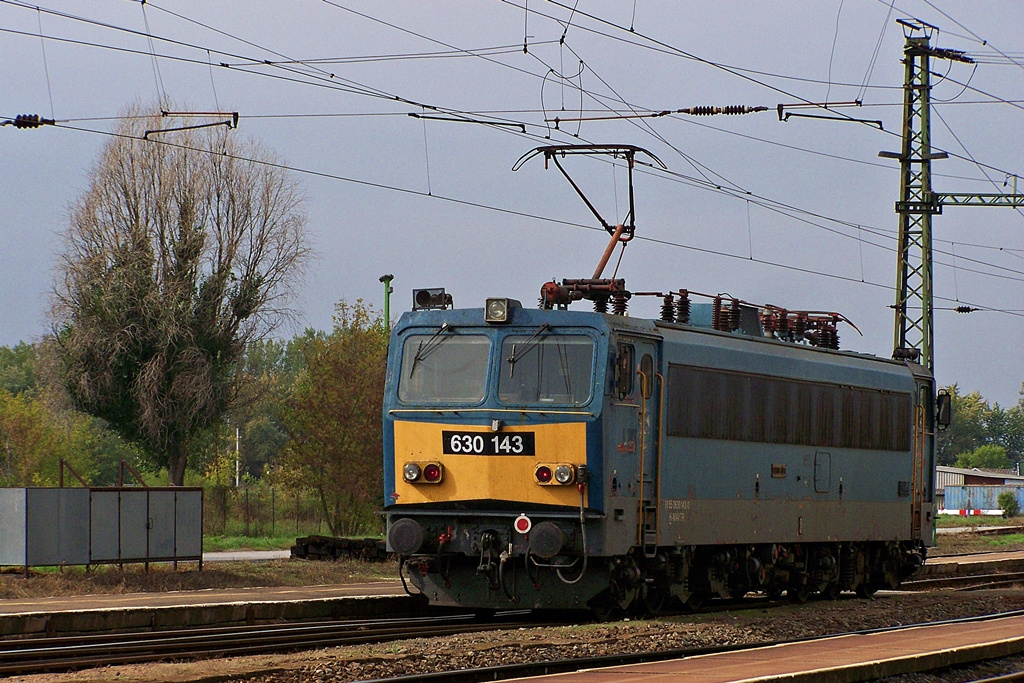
90,525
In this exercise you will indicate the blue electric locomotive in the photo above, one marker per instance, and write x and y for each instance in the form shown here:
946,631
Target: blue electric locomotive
550,458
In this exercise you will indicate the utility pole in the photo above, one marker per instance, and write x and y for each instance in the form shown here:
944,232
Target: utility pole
386,279
914,328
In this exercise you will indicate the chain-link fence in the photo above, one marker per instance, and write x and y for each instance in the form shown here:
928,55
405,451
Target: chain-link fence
260,511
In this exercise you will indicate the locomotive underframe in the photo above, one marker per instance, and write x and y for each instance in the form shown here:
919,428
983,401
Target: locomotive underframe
481,562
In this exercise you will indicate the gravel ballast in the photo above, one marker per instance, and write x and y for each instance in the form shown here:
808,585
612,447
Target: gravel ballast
758,623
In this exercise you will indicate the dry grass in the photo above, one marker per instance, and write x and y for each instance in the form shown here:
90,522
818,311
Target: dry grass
109,579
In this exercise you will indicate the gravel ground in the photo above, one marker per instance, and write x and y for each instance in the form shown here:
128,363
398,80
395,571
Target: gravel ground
757,624
964,674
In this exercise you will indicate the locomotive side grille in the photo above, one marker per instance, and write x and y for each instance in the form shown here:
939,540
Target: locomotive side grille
715,404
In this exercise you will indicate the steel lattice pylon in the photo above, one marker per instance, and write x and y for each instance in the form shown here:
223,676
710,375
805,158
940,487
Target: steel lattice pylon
914,331
914,335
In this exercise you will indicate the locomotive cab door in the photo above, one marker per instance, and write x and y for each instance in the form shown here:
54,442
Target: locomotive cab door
636,405
923,477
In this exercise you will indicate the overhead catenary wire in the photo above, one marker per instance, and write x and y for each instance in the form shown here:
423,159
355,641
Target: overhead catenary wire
255,62
499,62
679,52
874,55
46,67
827,218
528,215
975,35
971,156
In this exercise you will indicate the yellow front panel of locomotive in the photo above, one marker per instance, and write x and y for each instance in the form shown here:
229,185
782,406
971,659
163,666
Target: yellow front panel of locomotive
488,477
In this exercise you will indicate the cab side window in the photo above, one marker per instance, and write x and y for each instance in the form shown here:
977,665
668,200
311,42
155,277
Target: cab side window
624,372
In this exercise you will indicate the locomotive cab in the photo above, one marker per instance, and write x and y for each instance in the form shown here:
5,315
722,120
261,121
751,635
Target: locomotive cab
492,471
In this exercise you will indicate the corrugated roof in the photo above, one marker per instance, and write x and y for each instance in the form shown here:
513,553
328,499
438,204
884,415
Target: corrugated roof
999,474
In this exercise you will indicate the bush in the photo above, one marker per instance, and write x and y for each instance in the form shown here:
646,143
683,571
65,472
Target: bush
1007,502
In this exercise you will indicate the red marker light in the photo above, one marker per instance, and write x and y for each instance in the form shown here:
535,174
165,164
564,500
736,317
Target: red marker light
543,474
432,472
522,524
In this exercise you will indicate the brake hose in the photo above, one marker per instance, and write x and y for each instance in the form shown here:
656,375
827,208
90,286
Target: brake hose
583,536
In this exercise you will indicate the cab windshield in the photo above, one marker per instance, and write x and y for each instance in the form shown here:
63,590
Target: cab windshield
546,368
444,367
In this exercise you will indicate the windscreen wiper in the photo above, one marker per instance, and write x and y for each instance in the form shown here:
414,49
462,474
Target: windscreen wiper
527,345
429,346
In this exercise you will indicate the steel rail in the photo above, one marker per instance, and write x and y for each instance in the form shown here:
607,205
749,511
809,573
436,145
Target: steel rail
522,670
66,653
964,581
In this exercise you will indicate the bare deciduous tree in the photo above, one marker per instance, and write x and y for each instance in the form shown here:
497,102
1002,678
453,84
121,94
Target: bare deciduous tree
185,247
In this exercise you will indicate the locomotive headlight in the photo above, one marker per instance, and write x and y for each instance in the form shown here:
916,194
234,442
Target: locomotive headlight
423,472
496,311
564,474
554,474
411,471
432,473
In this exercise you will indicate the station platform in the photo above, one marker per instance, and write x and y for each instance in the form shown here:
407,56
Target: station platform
185,609
1009,561
862,657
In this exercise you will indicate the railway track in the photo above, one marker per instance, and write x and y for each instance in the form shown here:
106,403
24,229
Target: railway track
965,581
68,653
518,670
65,653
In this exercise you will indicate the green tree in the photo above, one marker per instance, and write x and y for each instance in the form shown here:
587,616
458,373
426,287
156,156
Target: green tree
972,418
185,247
984,457
18,368
334,420
33,441
1012,428
1007,502
271,368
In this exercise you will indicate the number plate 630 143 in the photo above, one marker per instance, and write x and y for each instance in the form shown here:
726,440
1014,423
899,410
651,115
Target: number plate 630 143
487,443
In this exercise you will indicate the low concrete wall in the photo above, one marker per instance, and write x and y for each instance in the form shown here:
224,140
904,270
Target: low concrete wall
227,614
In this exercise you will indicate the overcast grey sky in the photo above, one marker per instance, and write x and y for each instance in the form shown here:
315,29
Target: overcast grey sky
798,214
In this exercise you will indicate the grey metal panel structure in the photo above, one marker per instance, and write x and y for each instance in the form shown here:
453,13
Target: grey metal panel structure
105,544
44,526
188,524
134,514
56,526
161,524
73,525
12,526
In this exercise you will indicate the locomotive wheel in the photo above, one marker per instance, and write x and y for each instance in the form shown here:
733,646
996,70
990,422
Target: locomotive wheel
798,590
866,590
606,612
655,598
831,591
800,594
610,605
694,602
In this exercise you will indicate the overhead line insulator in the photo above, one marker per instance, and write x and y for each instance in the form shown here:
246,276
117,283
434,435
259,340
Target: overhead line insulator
730,109
28,121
